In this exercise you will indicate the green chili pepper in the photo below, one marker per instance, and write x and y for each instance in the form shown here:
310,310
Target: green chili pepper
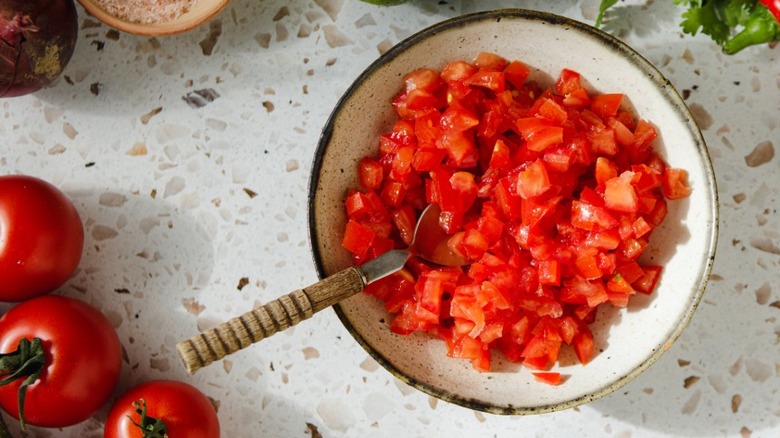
761,27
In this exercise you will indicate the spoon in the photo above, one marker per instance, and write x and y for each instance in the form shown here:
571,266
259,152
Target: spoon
428,242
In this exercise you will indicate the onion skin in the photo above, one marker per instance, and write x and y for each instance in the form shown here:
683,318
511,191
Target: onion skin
37,40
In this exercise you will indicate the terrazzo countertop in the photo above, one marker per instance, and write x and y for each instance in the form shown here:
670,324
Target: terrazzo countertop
188,158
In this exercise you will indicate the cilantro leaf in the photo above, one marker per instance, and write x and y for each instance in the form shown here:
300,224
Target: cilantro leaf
736,12
605,4
705,17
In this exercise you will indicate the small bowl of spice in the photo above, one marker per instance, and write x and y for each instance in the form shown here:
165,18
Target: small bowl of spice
154,17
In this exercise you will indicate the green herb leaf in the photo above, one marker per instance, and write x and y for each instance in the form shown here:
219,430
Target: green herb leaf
736,12
705,17
605,4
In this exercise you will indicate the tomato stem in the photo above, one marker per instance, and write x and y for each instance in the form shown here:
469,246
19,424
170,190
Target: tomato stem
26,363
150,426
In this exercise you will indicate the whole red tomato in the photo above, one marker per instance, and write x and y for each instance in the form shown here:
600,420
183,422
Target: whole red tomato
41,237
179,407
81,355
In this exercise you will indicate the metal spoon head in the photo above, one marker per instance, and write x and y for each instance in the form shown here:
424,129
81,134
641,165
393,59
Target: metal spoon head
430,240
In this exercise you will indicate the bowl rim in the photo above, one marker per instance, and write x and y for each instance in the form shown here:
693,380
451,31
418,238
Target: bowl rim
671,96
172,27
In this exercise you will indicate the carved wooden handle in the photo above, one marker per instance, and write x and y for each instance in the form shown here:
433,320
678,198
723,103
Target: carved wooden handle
253,326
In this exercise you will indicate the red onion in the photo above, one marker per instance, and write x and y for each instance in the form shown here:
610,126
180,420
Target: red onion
37,39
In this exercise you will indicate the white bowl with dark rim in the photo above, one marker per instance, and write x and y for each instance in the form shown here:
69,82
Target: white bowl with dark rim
627,340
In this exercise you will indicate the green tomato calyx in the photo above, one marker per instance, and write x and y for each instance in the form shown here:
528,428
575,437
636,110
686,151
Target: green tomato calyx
150,426
25,363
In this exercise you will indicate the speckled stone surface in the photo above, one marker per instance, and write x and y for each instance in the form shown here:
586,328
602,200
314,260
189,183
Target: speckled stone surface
188,159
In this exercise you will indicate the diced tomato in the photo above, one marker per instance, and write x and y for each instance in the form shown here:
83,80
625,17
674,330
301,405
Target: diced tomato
623,135
491,295
631,271
393,193
426,130
357,205
533,180
405,221
632,248
644,135
641,227
492,80
676,183
606,105
422,79
589,217
538,214
538,133
370,173
430,289
583,346
457,71
458,118
627,119
428,159
357,238
603,143
559,159
603,239
509,203
649,178
491,124
421,100
459,146
619,193
516,73
376,209
553,112
401,165
551,194
588,267
619,285
465,191
568,328
605,170
646,283
489,61
578,98
568,82
550,378
549,272
404,111
658,213
499,159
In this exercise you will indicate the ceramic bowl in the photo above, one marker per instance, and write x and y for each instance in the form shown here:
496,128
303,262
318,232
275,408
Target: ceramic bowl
627,340
201,12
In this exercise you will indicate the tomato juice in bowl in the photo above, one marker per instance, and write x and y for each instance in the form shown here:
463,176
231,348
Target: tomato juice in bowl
631,339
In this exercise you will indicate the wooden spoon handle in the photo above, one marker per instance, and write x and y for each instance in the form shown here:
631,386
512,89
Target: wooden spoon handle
259,323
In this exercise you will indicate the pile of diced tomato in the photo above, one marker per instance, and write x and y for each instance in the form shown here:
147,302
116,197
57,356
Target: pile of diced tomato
551,194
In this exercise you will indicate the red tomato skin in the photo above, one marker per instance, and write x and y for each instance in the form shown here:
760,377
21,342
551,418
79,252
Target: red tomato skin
185,410
83,360
41,238
550,378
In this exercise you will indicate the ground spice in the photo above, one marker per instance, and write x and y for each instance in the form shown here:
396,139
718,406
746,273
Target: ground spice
146,11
